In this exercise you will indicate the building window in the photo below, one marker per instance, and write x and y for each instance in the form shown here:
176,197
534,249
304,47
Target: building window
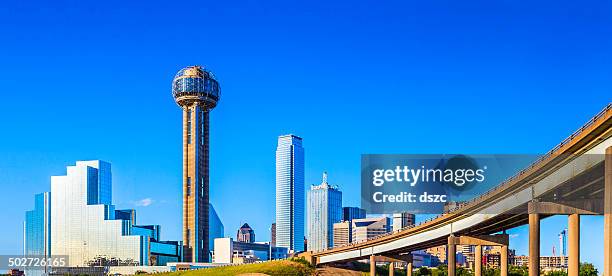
188,186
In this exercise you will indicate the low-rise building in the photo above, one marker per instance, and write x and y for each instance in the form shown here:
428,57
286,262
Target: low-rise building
422,258
369,228
547,263
439,252
403,220
342,233
229,251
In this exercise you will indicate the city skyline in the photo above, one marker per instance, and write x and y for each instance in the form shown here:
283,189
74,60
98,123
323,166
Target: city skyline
433,94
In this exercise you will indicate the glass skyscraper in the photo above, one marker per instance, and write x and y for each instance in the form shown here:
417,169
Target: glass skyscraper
83,225
324,209
77,219
350,213
217,230
290,193
37,227
37,231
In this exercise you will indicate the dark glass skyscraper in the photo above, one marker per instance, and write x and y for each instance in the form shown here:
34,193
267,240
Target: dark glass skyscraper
197,92
350,213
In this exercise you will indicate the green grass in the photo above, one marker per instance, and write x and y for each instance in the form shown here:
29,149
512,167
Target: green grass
281,267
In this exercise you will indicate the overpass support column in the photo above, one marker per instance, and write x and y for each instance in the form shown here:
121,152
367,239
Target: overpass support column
409,269
372,265
504,261
451,255
391,268
608,212
534,244
478,260
573,245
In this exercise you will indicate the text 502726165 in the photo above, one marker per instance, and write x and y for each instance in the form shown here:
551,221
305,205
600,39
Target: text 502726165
32,261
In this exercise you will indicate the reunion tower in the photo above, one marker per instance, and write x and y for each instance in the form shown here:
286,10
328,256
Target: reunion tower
197,92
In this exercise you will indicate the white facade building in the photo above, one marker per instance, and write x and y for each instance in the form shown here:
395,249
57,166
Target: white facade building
224,250
369,228
83,226
323,210
403,220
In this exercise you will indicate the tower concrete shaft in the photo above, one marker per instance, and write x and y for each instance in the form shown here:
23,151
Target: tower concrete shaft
195,182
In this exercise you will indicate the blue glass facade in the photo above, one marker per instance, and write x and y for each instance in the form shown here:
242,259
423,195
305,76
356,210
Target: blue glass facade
563,242
38,227
216,227
290,193
151,231
350,213
129,214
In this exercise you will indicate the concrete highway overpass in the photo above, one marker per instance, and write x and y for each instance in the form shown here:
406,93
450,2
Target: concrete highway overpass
580,167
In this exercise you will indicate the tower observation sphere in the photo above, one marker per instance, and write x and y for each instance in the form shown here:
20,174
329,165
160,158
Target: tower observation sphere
195,84
197,92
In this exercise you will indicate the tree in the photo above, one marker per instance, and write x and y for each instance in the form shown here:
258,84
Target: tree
518,271
461,271
587,269
441,270
556,273
491,272
422,271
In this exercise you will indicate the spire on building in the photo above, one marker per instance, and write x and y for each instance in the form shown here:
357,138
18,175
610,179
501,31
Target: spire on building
324,181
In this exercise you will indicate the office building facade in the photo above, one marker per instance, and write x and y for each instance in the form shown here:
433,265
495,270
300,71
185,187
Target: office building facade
290,193
37,227
77,219
342,233
421,258
563,243
324,208
197,92
350,213
83,225
402,220
547,263
273,234
245,234
217,230
229,251
369,228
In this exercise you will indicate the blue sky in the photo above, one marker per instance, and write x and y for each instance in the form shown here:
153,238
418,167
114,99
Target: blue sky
92,81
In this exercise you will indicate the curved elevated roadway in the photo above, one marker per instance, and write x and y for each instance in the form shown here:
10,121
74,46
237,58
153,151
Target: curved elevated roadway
576,168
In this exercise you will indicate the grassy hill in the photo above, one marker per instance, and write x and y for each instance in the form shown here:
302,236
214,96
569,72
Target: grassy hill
281,267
